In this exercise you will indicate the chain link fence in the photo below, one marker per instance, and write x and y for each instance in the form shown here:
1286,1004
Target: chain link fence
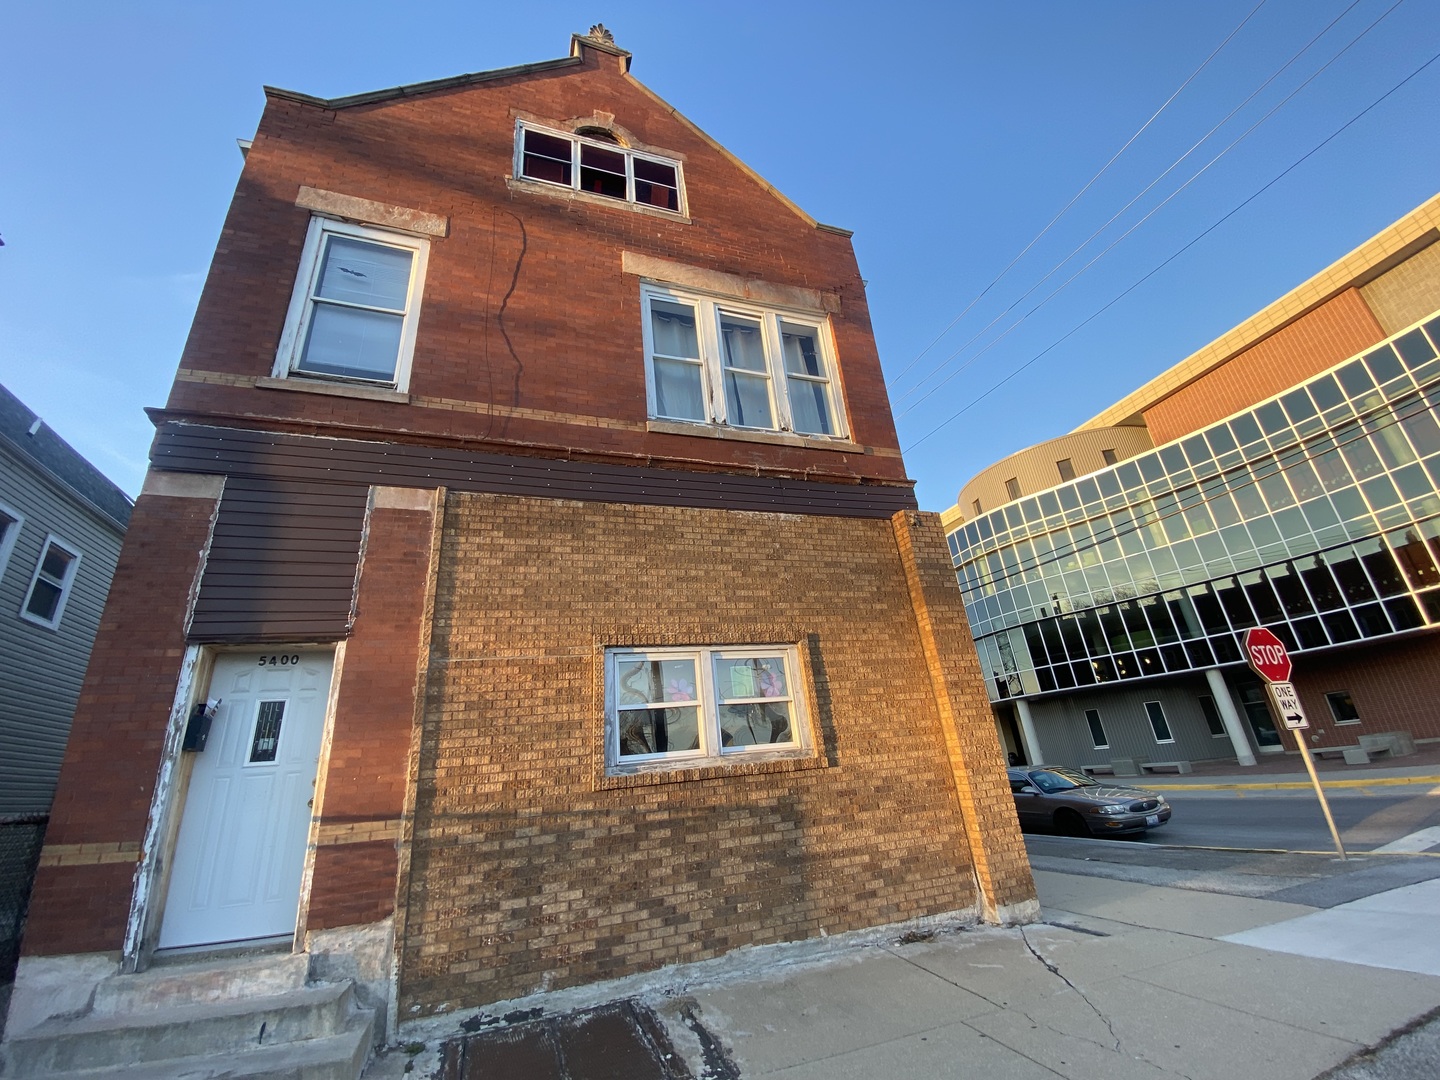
20,840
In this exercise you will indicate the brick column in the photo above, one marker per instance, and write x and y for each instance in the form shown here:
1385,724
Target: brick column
1002,868
363,789
97,825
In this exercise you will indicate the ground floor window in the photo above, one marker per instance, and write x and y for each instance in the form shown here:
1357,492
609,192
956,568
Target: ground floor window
1158,724
1212,717
688,707
1342,707
1097,729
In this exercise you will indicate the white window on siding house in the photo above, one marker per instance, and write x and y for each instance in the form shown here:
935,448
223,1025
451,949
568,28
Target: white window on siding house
50,584
710,361
677,708
598,166
1097,730
1158,724
355,307
11,521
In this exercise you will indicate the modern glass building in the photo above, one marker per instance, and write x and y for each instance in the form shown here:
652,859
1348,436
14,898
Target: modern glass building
1109,609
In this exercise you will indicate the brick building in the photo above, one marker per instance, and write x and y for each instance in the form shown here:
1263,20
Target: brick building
1286,475
529,465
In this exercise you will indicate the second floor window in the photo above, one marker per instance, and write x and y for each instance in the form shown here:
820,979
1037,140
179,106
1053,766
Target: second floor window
50,584
714,362
355,307
597,167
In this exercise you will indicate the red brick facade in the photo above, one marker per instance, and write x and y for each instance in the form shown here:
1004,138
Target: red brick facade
366,774
529,329
1320,339
1394,685
97,824
462,774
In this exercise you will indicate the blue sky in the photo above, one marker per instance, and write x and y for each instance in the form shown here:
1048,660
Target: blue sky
946,135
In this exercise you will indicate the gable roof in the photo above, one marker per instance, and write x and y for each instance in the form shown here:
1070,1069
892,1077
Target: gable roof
25,433
543,67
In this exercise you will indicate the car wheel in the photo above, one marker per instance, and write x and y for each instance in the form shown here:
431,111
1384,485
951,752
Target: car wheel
1069,823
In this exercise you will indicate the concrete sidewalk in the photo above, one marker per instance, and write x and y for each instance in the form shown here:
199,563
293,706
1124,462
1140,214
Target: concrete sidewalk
1123,980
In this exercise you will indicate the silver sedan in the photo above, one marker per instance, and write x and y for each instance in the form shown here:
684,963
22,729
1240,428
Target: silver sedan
1069,802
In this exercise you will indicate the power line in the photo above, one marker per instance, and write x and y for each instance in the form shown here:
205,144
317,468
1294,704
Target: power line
1088,185
1137,197
1166,262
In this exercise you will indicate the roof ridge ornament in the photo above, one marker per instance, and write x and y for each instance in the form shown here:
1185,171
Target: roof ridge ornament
600,34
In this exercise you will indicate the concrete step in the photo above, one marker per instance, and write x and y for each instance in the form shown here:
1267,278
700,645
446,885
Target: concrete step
335,1057
192,982
235,1027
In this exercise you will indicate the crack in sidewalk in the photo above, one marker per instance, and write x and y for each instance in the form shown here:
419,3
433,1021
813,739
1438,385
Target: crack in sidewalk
1118,1047
1054,970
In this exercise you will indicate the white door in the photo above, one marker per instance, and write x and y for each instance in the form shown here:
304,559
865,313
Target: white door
241,848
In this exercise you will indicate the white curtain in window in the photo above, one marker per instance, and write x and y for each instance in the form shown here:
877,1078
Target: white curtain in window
747,396
353,342
679,385
810,408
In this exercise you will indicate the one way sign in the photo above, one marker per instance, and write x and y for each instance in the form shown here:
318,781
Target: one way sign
1287,705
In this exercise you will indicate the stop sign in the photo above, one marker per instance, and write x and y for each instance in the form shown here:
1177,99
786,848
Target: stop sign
1267,655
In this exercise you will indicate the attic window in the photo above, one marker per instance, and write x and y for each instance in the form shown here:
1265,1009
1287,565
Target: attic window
596,163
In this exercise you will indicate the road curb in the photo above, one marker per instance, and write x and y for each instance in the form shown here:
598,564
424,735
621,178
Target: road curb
1299,785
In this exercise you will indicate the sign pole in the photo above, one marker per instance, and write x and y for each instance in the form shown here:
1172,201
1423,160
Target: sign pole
1268,657
1319,791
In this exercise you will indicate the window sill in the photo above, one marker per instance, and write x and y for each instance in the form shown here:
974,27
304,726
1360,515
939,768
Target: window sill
779,438
333,389
557,191
1346,723
666,773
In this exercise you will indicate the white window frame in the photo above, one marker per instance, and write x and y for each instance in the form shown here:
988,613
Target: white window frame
302,305
710,751
65,585
11,534
709,310
576,141
1100,723
1151,721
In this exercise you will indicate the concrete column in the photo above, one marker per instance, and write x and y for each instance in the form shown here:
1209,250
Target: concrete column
1027,732
1221,693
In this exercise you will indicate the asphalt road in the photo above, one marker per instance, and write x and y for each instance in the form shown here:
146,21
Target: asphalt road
1292,820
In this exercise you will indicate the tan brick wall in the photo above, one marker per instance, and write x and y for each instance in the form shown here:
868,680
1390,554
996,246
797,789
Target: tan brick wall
1341,327
1002,865
1407,293
528,871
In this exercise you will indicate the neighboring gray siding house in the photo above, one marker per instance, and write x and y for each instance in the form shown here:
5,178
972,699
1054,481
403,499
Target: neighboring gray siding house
61,525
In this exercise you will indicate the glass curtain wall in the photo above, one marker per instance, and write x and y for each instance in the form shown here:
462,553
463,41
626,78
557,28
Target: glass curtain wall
1315,513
